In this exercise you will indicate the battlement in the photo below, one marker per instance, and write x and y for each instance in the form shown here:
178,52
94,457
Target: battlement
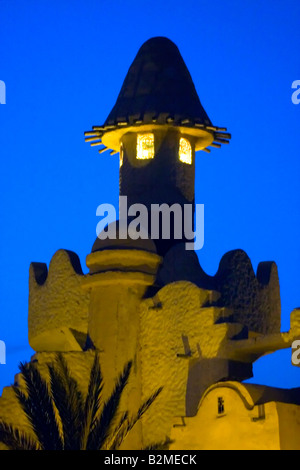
58,307
253,298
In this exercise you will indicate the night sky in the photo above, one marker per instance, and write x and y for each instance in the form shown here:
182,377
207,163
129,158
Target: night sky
63,64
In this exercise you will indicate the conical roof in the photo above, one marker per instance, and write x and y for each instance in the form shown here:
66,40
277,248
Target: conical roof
158,85
158,91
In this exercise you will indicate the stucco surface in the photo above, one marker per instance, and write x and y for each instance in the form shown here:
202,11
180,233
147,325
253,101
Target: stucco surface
58,307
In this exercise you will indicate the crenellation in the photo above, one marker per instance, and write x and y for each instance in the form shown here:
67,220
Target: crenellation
58,306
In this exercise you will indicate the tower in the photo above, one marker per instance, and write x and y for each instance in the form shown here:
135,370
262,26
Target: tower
157,125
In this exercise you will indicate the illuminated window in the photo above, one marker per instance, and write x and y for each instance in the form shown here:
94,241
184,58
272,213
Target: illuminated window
121,155
145,146
185,151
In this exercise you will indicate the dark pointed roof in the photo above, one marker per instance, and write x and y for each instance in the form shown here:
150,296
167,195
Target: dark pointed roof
158,85
158,91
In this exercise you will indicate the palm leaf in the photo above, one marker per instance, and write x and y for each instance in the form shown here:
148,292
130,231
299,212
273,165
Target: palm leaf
124,430
101,430
68,401
111,438
39,409
15,439
92,402
83,425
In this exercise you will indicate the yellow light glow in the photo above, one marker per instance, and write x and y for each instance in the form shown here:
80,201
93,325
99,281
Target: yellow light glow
185,151
121,155
145,146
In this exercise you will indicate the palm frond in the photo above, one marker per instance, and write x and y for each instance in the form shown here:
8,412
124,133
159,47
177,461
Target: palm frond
117,430
102,428
62,420
39,409
15,439
68,401
124,430
92,402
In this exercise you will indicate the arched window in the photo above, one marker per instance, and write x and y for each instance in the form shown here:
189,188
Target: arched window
185,151
121,155
145,146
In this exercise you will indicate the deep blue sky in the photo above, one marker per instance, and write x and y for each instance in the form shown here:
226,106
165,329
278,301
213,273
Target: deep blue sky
64,62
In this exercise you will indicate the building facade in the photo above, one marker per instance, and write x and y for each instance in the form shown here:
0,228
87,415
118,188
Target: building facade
148,299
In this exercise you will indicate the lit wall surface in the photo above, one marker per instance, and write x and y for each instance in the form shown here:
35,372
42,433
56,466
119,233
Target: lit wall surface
63,65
